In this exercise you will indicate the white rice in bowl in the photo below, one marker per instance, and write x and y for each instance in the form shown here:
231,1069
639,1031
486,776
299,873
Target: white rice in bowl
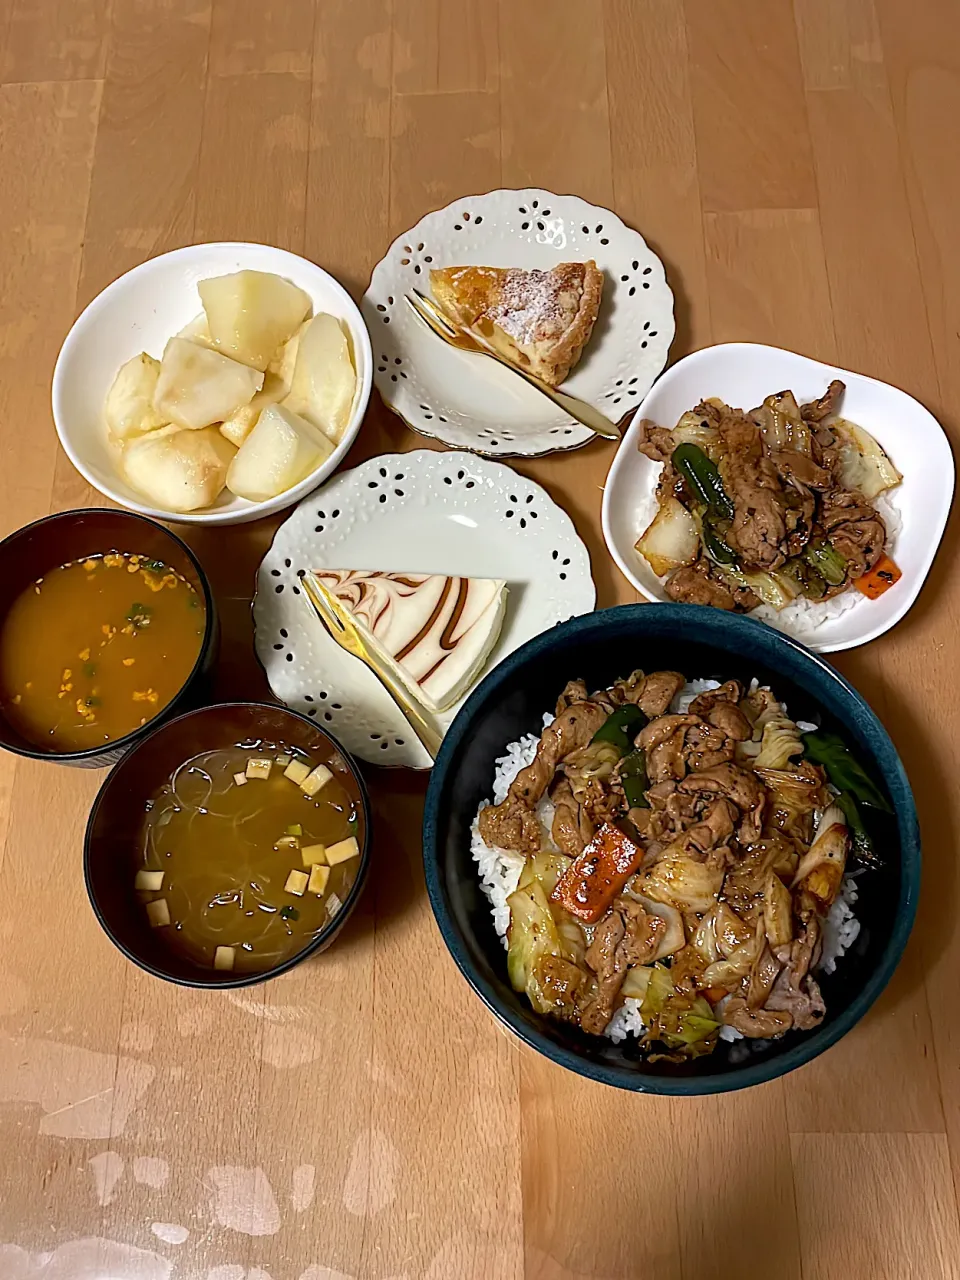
499,870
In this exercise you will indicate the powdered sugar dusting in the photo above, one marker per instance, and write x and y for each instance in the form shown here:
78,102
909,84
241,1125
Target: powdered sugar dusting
532,305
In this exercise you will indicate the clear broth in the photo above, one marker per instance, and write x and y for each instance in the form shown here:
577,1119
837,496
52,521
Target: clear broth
226,853
96,648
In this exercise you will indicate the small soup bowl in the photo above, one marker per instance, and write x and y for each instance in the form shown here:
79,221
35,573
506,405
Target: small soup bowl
38,548
110,851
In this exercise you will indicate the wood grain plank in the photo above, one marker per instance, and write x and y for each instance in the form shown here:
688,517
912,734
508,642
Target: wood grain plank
868,237
144,171
752,137
901,1220
654,150
53,40
252,176
349,172
839,44
251,36
555,121
46,150
739,1184
444,46
768,281
461,130
921,56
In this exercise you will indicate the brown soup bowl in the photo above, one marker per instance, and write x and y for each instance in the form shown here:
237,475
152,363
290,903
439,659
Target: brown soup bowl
110,852
36,549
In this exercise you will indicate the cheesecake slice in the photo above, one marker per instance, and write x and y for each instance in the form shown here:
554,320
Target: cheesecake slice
539,320
435,631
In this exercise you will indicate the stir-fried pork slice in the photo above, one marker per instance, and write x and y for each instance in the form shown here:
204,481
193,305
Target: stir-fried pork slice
715,826
797,469
796,991
752,484
657,691
855,530
605,957
720,707
571,829
663,740
746,884
817,410
654,442
756,1024
574,691
510,825
740,786
643,931
695,584
706,745
761,978
513,823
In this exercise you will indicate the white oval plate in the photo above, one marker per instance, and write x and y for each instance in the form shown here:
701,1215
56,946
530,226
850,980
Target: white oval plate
423,512
470,402
743,374
139,312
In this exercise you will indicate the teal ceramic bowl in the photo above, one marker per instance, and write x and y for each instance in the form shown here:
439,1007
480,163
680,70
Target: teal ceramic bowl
703,643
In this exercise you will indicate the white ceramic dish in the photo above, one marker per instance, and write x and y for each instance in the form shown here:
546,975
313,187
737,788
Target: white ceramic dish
424,512
742,374
139,312
470,402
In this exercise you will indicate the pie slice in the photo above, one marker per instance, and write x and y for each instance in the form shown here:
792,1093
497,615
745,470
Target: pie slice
539,320
436,632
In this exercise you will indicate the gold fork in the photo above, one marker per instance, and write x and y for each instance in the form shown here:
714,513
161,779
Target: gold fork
344,631
471,340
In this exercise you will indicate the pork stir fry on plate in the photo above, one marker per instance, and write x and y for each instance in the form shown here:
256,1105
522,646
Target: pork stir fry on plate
768,506
680,850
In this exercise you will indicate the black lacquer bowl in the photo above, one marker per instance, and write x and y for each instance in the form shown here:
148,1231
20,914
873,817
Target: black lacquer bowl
702,643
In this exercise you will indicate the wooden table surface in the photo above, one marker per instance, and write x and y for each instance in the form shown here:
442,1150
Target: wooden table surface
796,167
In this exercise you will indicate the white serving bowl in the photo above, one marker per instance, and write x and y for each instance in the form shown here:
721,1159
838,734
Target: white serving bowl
743,374
139,312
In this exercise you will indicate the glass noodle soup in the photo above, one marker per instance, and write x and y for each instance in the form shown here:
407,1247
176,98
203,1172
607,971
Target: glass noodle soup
247,852
96,648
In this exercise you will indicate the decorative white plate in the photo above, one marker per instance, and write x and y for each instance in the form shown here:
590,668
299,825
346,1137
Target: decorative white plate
743,374
424,512
470,402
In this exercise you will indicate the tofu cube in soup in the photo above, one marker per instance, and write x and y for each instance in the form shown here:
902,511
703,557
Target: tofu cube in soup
259,767
296,883
318,879
320,776
343,851
297,771
158,913
313,854
223,958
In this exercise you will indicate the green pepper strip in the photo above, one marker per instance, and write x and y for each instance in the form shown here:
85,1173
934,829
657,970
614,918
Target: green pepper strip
633,776
843,769
716,547
862,844
827,561
703,478
621,727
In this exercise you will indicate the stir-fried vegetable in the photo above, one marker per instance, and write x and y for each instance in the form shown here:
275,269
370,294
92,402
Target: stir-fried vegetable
715,544
821,868
694,429
633,776
862,844
703,479
808,581
864,466
843,768
777,911
672,539
621,727
677,1020
878,579
781,425
827,561
531,936
780,742
594,879
674,936
773,589
678,878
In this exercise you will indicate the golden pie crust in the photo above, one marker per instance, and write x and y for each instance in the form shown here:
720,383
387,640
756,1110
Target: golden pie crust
539,320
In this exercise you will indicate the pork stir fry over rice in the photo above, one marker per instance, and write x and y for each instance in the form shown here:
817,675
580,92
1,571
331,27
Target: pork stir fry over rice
773,507
669,858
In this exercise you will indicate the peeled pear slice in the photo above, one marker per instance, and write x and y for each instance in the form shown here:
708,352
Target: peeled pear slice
241,422
197,331
179,470
324,380
197,386
250,313
285,358
278,453
128,408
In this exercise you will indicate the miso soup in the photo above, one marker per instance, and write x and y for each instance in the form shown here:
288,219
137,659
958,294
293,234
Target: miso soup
247,852
96,648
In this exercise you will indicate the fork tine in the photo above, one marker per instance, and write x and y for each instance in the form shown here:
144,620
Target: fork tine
428,305
320,598
430,315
